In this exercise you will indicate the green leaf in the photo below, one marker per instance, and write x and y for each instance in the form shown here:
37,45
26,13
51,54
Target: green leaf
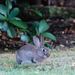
35,27
8,4
52,10
59,11
48,45
5,26
49,35
1,26
24,37
43,26
14,13
2,17
16,18
37,12
18,23
11,32
23,30
26,4
3,10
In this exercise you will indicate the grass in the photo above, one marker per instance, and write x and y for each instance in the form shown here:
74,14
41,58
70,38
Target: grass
59,63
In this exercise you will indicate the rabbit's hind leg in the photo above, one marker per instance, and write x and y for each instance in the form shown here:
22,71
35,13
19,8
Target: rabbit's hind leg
26,62
18,60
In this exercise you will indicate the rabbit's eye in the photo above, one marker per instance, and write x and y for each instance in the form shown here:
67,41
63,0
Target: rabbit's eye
43,50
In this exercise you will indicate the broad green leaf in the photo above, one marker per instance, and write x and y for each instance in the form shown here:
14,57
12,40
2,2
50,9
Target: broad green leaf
37,12
2,17
14,13
48,45
26,4
24,38
1,26
43,26
49,35
8,4
11,32
52,11
5,26
3,10
16,18
23,30
18,23
59,11
36,26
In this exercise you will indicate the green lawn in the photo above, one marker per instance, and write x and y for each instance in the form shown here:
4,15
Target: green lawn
59,63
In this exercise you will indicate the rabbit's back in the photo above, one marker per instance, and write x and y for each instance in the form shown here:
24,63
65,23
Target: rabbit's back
25,53
27,47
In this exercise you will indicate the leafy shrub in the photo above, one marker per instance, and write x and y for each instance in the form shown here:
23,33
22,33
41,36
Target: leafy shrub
13,25
9,19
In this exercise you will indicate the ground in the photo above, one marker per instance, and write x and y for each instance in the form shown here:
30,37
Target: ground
60,62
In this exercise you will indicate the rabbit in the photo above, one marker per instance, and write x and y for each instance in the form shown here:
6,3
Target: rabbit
32,53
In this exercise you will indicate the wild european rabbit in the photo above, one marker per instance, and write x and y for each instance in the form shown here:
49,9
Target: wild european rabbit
32,53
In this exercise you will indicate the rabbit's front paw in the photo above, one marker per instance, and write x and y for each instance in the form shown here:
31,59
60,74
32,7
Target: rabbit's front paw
34,60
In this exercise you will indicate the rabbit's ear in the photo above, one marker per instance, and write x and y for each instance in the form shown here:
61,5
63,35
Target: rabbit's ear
36,41
42,40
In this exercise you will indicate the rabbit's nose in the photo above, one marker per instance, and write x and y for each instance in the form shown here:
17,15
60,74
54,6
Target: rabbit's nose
48,55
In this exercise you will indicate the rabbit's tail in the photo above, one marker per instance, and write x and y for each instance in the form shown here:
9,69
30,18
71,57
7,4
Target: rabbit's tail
18,60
